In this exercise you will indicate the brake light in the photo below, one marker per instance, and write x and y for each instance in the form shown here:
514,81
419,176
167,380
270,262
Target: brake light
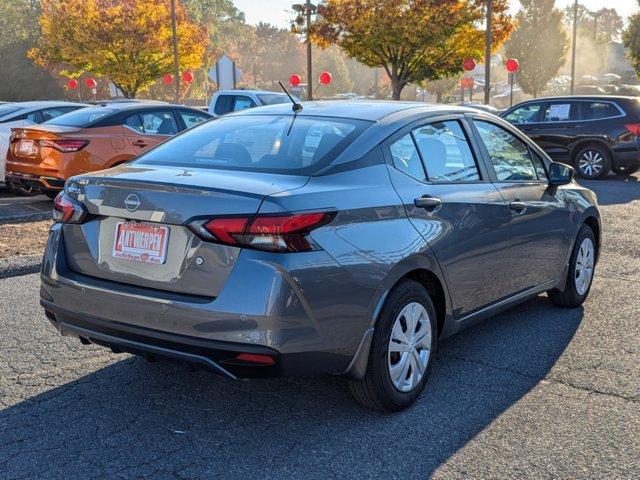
275,233
65,145
256,358
633,128
68,210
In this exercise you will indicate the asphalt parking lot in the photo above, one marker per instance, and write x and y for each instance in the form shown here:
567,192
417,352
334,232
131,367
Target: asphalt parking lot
537,392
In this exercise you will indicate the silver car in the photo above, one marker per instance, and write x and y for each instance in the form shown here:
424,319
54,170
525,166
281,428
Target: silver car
246,247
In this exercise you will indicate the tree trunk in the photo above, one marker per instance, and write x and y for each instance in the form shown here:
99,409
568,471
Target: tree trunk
396,87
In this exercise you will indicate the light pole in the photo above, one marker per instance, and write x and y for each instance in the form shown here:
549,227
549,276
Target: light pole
573,46
307,9
487,53
176,61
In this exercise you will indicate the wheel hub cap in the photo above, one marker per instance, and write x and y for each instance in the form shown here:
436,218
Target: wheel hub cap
591,163
409,347
584,266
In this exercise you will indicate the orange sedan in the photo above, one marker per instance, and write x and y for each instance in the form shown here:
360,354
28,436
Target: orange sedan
91,139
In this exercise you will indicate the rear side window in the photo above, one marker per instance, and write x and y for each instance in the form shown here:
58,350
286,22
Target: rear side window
560,112
223,104
524,114
596,110
445,152
509,155
405,157
268,143
191,119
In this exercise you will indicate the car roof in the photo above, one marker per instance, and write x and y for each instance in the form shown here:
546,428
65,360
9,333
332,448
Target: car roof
241,92
122,106
580,97
369,110
36,104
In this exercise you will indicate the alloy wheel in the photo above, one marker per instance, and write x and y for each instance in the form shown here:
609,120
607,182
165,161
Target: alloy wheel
591,163
584,266
409,347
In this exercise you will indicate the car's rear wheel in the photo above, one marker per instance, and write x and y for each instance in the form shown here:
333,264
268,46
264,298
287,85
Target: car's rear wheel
625,171
580,275
592,161
401,351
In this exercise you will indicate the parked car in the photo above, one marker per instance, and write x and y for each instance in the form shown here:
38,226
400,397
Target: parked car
21,114
480,106
595,134
94,138
227,101
588,90
232,248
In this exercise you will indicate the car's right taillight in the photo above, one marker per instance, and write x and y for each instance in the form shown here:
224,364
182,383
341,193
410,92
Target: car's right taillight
68,210
274,233
633,128
65,145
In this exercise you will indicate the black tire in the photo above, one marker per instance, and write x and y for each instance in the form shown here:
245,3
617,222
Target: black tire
570,297
51,193
377,391
625,171
596,152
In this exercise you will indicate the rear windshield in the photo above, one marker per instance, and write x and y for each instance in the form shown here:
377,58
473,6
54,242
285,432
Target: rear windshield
80,118
277,144
8,109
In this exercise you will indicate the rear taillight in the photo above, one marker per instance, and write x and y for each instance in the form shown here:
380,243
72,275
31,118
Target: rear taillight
68,210
274,233
633,128
65,145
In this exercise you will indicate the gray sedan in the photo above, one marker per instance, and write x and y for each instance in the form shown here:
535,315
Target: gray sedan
252,246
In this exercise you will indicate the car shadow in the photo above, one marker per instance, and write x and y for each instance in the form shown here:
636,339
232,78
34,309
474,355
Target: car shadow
133,419
614,189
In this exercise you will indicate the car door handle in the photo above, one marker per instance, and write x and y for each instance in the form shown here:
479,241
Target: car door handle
140,143
427,202
518,206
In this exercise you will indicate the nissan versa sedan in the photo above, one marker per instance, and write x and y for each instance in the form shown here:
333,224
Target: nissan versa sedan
45,156
248,246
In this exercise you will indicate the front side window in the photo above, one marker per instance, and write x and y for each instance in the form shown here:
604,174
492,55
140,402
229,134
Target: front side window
596,110
191,119
268,143
525,114
445,152
509,155
405,157
560,112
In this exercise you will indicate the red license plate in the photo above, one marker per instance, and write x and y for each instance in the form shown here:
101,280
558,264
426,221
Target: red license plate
142,242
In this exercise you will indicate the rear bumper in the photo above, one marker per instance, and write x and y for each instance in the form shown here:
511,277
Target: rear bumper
627,157
264,314
28,180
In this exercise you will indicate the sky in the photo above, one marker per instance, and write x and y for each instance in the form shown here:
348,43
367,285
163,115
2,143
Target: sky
277,12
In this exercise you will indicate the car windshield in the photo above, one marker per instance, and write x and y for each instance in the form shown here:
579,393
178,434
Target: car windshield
80,118
269,143
273,98
8,109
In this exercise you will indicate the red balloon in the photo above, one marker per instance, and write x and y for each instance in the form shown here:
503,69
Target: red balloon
167,79
469,64
512,65
295,80
187,77
90,82
72,84
325,78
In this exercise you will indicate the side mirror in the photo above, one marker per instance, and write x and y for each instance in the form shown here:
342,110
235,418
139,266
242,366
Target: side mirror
560,174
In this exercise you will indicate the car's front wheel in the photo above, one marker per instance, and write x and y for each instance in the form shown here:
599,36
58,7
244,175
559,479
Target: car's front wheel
593,161
401,351
580,275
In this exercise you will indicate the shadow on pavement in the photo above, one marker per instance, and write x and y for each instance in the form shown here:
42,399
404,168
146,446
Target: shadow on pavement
138,420
615,189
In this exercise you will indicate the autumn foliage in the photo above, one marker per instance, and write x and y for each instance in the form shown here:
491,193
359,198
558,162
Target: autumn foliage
127,41
413,40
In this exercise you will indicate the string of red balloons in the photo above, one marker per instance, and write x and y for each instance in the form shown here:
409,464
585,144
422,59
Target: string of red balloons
90,82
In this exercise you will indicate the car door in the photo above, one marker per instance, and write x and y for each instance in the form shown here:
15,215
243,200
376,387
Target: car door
557,128
540,219
452,203
146,129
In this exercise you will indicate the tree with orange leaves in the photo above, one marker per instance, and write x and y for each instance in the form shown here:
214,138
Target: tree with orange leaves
412,40
128,41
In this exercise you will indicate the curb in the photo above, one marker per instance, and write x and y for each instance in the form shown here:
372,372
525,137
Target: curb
17,266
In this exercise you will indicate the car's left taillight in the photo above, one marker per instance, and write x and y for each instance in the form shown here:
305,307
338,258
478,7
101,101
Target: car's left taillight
65,145
68,210
273,233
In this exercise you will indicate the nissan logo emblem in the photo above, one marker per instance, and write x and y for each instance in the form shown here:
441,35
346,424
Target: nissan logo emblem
132,202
